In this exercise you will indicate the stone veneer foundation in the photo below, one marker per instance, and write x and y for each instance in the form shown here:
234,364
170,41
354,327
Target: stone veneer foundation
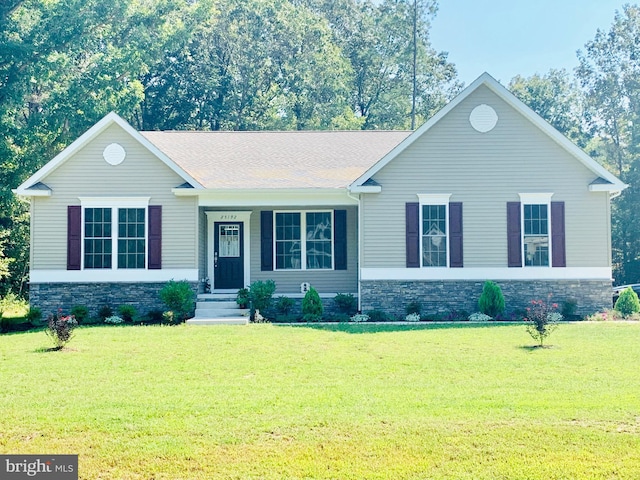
52,296
393,296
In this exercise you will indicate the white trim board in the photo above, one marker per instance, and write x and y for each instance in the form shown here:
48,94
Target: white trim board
481,274
113,276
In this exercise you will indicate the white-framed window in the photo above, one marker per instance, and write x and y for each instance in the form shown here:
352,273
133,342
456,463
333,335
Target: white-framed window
114,233
536,228
303,240
434,228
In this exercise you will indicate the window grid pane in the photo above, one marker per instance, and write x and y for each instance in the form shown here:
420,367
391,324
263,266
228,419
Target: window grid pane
97,238
288,241
536,236
319,237
434,236
131,238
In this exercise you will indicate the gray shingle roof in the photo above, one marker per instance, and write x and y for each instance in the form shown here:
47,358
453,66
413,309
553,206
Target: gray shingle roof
297,159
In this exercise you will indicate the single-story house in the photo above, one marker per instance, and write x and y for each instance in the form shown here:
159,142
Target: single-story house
484,190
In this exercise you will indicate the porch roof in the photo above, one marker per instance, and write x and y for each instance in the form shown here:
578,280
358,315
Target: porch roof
266,159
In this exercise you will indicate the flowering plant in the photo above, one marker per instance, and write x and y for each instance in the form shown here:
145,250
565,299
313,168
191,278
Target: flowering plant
412,317
60,328
542,319
360,317
113,319
479,317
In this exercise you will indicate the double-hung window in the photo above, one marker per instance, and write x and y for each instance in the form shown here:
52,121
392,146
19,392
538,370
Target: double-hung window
536,228
114,233
303,240
434,226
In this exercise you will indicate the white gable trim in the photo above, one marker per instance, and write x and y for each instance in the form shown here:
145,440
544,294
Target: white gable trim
89,135
487,80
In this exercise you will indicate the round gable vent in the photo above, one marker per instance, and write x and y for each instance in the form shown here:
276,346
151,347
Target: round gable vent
114,154
483,118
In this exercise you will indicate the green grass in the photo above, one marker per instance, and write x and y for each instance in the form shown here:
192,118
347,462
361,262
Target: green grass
342,402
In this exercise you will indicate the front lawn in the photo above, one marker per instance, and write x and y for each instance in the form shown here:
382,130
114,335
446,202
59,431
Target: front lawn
342,402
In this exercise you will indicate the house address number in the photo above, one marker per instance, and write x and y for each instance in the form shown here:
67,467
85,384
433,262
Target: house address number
228,217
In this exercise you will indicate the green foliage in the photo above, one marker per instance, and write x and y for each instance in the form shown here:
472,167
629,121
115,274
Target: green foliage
569,307
627,303
105,311
312,308
284,305
542,320
243,298
178,297
261,295
34,315
491,300
414,307
80,312
346,303
127,312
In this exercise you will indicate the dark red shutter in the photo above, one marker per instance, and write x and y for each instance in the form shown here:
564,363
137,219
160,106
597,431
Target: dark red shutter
266,240
412,220
558,253
340,239
455,235
74,237
514,234
155,237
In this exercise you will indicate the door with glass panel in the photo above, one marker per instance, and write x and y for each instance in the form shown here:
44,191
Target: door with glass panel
228,263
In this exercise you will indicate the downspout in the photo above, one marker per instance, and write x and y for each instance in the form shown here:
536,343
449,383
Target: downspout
357,199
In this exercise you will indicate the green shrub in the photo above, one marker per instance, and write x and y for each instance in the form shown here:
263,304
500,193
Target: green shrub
105,311
179,298
242,298
627,302
346,304
127,312
312,308
261,294
284,305
569,307
155,316
5,324
34,315
414,307
491,300
80,312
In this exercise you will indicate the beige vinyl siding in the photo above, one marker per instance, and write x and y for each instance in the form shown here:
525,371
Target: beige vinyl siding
325,281
484,171
86,174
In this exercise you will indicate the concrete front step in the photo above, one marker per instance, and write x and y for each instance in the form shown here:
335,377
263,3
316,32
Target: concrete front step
231,305
220,312
218,321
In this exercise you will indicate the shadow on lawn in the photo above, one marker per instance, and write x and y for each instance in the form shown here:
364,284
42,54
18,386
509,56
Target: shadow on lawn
359,328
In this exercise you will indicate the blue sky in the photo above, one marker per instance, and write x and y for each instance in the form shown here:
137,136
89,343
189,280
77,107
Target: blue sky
507,38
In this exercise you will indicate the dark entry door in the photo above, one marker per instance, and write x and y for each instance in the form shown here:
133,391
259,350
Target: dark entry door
228,261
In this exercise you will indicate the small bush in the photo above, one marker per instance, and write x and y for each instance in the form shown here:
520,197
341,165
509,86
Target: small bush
80,312
569,307
261,295
179,298
155,316
114,320
284,305
346,303
34,315
312,308
127,312
414,307
628,302
479,317
412,317
360,317
378,316
542,319
60,329
243,298
491,300
104,312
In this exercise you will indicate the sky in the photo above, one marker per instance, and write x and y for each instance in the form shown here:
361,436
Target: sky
517,37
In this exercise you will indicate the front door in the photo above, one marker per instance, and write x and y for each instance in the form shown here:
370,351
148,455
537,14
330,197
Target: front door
228,261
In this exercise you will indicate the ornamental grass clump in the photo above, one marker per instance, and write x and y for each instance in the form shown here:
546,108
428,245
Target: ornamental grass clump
628,303
541,320
60,329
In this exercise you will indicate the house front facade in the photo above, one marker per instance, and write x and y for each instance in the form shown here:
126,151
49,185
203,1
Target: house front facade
485,190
